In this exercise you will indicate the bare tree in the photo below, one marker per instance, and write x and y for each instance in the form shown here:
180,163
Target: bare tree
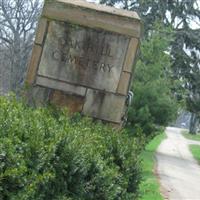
4,72
18,19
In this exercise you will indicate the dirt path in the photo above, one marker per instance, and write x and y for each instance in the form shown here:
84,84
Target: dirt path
178,171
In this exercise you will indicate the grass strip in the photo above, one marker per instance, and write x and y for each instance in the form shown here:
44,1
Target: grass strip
149,187
191,136
195,149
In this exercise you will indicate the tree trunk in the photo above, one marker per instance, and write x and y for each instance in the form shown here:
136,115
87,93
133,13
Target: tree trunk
193,123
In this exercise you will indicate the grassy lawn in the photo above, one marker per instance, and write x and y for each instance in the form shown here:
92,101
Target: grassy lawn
191,137
195,149
149,188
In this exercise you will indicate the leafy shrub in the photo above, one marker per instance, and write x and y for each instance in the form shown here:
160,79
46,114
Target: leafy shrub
45,154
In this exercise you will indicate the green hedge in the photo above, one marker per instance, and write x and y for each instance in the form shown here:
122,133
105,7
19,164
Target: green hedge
46,155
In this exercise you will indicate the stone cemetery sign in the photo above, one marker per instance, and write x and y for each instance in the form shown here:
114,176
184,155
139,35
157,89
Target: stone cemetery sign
83,58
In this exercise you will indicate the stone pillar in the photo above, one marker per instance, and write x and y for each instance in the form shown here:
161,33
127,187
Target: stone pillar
83,58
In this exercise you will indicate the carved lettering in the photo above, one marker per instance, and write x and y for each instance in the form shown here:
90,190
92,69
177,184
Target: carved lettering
82,62
90,48
109,67
71,60
106,51
102,67
95,65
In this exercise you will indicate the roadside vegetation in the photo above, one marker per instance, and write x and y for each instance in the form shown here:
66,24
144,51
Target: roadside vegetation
195,149
45,154
154,105
149,187
191,136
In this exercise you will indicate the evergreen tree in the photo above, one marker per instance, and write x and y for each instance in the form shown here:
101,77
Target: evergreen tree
153,103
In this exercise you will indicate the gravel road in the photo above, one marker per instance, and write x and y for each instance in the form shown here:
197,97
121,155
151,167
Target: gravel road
178,171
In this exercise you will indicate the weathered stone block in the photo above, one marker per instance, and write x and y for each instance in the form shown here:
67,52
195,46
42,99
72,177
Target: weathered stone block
83,56
124,83
79,55
38,96
94,16
54,84
106,106
131,55
41,30
72,102
33,64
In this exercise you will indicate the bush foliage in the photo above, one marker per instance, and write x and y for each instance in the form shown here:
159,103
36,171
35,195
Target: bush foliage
48,155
